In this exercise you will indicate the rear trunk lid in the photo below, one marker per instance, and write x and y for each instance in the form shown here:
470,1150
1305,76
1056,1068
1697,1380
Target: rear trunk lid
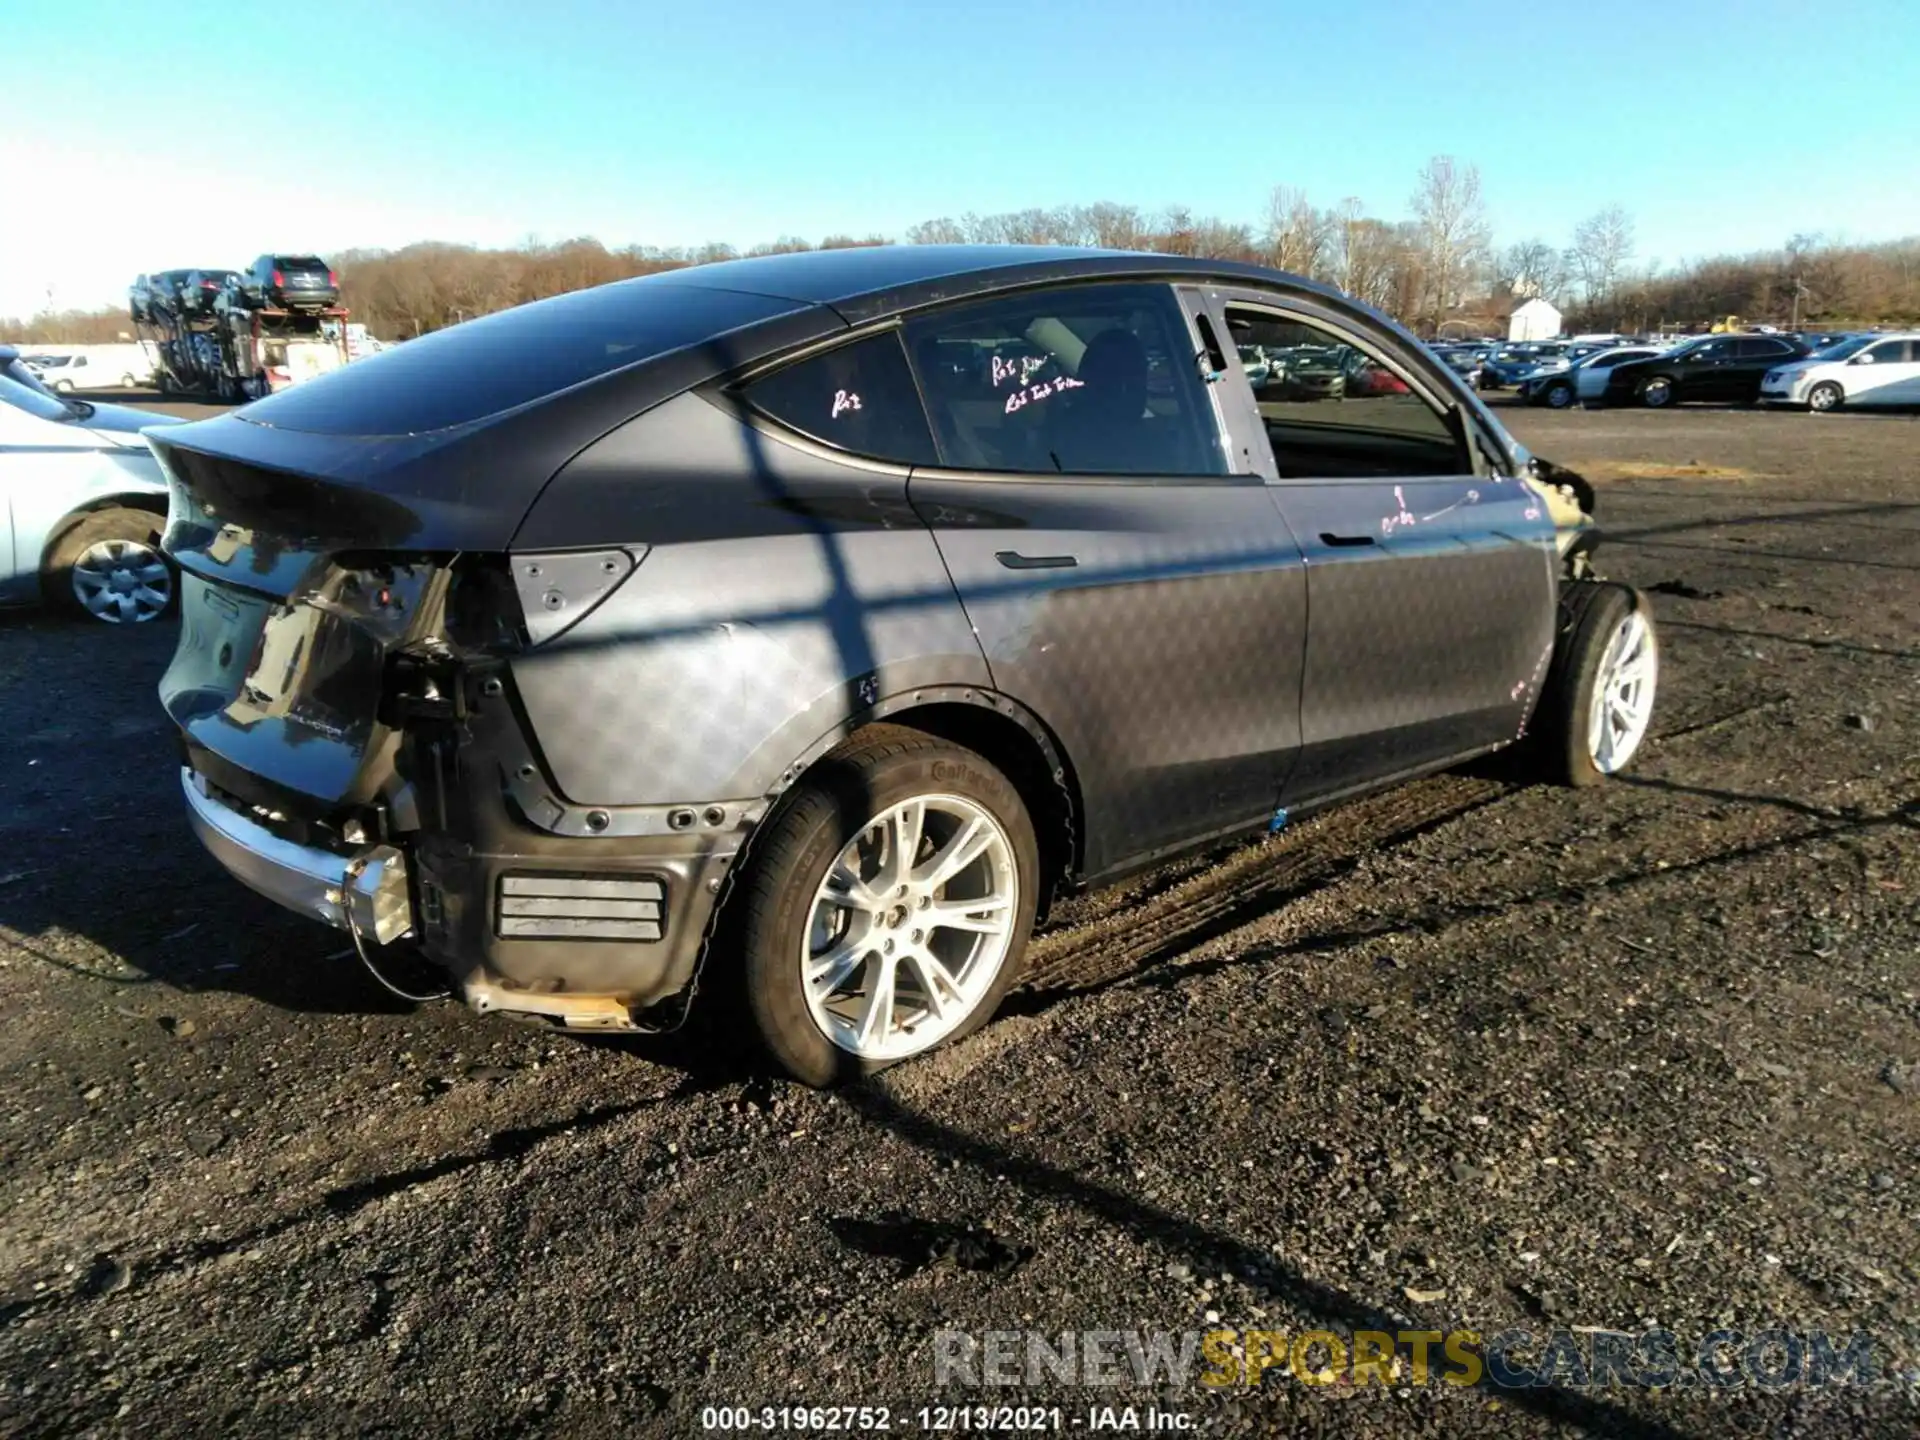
297,591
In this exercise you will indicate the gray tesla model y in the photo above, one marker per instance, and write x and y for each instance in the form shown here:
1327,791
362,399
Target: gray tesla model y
804,624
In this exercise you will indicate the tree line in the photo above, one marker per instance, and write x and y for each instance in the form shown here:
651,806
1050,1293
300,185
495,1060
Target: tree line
1435,268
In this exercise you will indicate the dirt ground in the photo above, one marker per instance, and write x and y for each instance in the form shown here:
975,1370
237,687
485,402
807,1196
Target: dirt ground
1475,1054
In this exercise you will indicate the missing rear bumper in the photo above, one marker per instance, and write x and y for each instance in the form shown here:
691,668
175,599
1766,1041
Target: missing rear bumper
366,892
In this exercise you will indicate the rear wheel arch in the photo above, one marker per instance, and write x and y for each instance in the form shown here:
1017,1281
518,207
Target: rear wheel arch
1006,735
1017,745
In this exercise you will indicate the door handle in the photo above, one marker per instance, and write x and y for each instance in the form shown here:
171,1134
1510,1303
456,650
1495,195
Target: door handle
1329,538
1014,560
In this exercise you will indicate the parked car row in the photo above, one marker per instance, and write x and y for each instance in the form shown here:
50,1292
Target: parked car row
272,282
1314,372
1817,371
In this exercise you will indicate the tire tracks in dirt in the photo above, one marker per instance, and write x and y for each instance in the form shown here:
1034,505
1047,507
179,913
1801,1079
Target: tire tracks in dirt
1170,912
1256,881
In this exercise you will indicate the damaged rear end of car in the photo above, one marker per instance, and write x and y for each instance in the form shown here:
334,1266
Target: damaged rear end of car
353,745
352,748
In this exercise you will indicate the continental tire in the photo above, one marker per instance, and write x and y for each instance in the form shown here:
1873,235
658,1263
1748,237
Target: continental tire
854,961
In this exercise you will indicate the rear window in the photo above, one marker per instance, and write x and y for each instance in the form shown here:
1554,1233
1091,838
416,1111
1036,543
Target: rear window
498,362
300,262
857,397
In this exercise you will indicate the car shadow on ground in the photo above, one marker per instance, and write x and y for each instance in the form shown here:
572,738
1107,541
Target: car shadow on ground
1201,1246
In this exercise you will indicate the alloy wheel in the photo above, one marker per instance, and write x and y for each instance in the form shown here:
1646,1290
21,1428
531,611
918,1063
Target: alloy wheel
1623,694
910,928
123,582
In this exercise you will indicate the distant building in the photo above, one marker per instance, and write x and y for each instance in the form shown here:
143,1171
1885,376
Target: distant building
1534,319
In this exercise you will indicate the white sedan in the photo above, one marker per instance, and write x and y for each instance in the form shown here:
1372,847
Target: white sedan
1863,370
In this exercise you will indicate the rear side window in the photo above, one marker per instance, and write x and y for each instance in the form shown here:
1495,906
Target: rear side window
1080,380
857,397
512,358
1331,410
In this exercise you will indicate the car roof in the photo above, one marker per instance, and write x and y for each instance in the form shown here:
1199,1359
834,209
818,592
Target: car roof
386,424
867,281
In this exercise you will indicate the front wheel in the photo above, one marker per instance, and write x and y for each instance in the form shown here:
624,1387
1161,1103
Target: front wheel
1657,393
1598,698
886,907
1559,395
1824,397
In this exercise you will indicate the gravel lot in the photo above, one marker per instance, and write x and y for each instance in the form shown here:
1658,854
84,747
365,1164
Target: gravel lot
1473,1054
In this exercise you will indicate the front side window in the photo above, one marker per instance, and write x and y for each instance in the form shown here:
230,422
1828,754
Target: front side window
1332,410
857,397
1841,349
1889,352
1085,380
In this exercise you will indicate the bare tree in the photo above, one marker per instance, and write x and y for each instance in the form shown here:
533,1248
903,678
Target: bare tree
1116,227
1216,239
943,231
1414,269
1532,267
1176,231
1602,245
1298,236
1451,218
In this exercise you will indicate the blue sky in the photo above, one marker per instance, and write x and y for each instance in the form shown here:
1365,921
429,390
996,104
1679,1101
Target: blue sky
137,140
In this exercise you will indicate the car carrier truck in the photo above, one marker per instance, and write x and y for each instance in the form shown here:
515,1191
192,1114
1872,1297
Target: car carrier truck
242,352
